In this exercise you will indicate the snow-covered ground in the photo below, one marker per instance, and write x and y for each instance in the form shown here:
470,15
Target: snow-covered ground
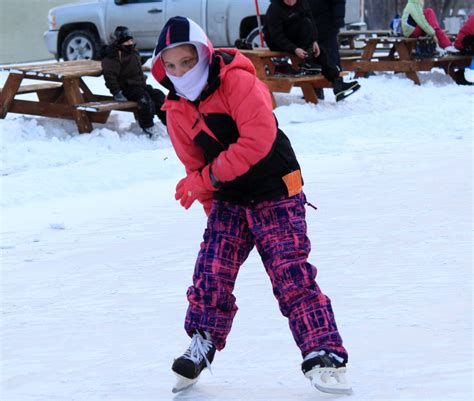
97,255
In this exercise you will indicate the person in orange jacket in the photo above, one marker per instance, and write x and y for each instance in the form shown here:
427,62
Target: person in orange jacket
244,171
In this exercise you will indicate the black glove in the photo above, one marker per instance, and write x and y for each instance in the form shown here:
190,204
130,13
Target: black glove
119,97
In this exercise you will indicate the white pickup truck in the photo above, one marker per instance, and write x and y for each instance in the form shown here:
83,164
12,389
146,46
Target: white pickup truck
77,30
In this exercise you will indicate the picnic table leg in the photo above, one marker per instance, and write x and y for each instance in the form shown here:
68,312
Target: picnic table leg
405,54
8,93
87,92
74,96
367,55
309,93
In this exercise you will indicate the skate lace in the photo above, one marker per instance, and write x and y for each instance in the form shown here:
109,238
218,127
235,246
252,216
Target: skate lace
198,350
314,354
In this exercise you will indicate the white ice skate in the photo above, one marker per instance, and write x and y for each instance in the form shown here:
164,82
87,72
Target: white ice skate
327,372
183,383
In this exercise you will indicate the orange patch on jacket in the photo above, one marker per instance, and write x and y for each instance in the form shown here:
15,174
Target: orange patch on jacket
293,182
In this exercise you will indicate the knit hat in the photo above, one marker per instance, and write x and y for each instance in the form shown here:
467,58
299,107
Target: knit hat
122,34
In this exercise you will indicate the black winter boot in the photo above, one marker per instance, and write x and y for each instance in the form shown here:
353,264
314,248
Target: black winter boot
460,78
344,89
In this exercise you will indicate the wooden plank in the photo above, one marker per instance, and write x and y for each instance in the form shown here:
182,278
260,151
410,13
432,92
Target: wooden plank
397,39
376,32
368,53
36,87
261,52
74,97
46,109
394,65
106,105
294,80
8,93
88,95
51,66
309,93
317,84
52,95
404,51
60,70
279,85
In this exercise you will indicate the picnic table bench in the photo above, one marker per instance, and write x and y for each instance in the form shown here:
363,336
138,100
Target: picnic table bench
64,94
399,58
265,69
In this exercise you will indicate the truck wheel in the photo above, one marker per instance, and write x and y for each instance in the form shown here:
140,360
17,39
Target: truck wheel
254,38
80,45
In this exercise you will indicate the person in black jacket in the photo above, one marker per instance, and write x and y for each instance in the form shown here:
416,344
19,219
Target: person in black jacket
328,16
125,80
289,27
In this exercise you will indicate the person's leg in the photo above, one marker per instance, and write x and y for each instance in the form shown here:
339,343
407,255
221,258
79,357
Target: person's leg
158,98
331,43
468,45
329,68
279,228
443,39
417,32
146,108
227,243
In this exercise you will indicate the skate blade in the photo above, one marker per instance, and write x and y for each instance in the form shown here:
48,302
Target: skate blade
308,71
347,92
330,380
183,383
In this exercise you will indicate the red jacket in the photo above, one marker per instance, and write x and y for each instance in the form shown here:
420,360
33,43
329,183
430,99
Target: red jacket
233,129
466,30
230,127
241,96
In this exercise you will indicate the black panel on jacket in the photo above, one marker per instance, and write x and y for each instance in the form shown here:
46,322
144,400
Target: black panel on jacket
223,127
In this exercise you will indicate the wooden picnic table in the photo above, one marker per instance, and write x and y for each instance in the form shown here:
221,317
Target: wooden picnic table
350,38
399,57
262,59
63,95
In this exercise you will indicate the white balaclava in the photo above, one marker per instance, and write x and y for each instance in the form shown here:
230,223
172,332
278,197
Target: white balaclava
191,84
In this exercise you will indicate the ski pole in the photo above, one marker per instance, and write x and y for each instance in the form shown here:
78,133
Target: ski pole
259,22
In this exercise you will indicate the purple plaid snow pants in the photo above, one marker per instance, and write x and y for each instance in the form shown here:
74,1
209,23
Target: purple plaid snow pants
278,229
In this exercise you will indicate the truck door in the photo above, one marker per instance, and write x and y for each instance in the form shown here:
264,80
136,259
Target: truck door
145,18
194,9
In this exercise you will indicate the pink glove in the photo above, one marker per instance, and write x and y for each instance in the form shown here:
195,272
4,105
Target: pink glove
206,200
193,186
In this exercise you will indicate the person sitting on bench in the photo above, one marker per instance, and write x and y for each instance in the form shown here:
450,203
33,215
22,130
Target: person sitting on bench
289,27
124,77
418,21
